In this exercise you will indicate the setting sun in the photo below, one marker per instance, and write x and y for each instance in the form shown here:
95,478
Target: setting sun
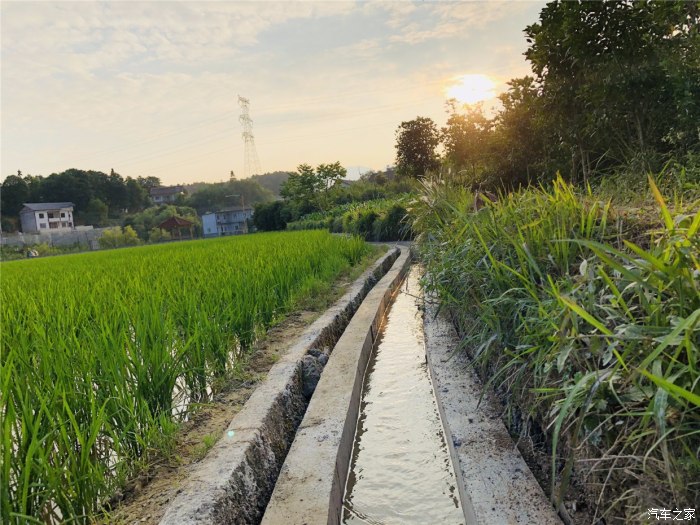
470,89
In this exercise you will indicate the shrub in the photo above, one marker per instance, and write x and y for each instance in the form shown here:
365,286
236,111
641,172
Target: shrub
158,235
378,220
119,237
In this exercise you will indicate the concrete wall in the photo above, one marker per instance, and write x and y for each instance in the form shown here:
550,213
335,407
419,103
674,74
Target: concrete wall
28,221
80,235
209,228
494,482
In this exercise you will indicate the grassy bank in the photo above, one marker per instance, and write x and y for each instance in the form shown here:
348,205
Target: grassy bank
586,319
102,352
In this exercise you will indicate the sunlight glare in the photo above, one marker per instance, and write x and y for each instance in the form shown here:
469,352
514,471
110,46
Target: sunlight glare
470,89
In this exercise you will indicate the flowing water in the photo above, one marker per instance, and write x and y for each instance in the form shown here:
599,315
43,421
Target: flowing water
400,470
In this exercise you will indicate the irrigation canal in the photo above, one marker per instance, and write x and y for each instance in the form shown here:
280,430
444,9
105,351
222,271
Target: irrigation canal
372,445
400,471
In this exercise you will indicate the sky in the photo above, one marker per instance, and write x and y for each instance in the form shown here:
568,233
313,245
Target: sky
151,88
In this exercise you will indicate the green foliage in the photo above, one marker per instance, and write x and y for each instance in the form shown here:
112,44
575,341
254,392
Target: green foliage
9,225
272,181
616,91
144,223
465,139
205,197
82,188
309,189
378,220
9,253
158,235
100,353
620,81
416,141
14,192
521,140
119,237
308,202
271,216
594,338
96,213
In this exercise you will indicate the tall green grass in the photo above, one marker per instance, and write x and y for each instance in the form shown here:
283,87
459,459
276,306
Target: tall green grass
595,337
375,220
101,352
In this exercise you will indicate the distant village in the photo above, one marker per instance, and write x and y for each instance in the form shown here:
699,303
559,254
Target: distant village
53,222
78,210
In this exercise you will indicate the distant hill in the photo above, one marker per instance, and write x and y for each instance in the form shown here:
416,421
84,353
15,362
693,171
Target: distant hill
272,181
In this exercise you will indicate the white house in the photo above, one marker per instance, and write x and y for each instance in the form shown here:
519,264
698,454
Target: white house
229,221
46,217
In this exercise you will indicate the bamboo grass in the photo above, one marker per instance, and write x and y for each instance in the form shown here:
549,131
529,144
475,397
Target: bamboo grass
595,337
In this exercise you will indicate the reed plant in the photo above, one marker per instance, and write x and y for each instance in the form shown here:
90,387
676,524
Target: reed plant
100,354
593,337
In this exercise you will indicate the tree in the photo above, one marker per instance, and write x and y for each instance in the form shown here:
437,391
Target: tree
95,213
149,182
302,185
416,141
137,195
157,235
69,186
308,189
330,174
117,194
466,138
270,216
271,181
13,194
618,79
520,142
212,197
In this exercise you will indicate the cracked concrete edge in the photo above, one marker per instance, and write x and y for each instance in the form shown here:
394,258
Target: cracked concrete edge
494,482
233,483
311,484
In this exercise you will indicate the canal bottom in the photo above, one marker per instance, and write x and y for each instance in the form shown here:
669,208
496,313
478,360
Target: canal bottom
400,469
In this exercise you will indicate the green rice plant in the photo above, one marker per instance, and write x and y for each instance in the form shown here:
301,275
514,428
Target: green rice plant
592,336
101,353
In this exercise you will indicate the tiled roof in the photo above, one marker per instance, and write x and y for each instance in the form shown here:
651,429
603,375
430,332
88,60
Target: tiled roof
166,190
43,206
175,222
236,208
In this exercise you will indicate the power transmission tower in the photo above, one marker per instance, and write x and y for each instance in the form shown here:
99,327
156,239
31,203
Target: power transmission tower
251,160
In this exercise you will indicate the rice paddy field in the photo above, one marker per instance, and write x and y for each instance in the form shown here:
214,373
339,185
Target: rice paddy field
101,353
